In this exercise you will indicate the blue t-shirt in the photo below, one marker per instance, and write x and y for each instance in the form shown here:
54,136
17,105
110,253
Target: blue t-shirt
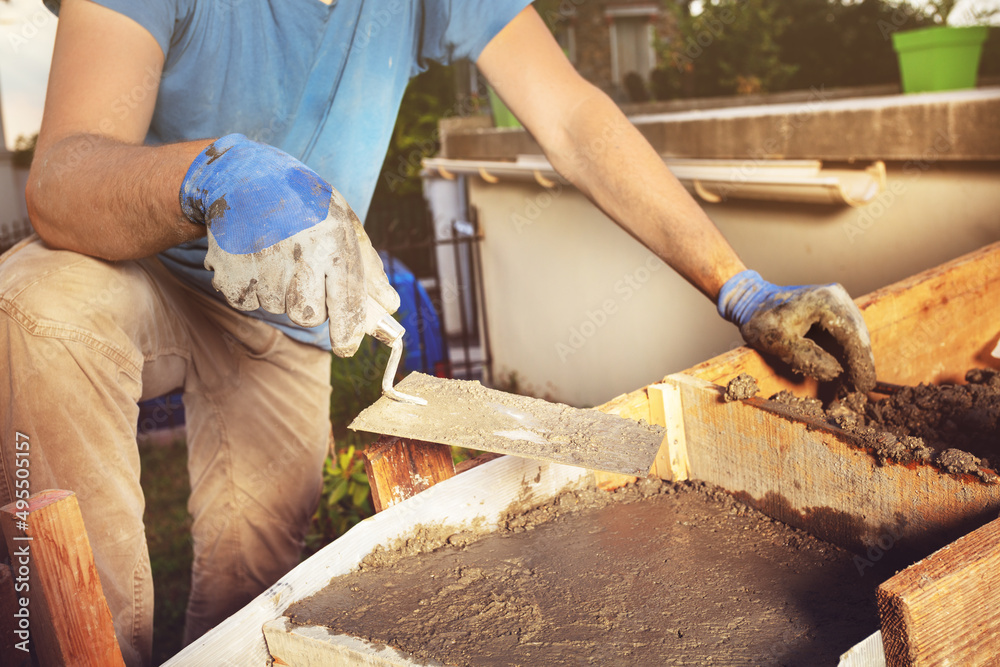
321,82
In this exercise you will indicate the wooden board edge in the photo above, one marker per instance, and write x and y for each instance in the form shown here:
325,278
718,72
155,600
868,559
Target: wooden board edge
295,645
811,475
667,410
942,609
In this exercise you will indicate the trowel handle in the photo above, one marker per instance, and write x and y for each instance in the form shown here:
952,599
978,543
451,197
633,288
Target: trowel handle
381,325
384,328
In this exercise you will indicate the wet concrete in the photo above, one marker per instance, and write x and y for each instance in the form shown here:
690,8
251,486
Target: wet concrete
955,427
741,387
670,575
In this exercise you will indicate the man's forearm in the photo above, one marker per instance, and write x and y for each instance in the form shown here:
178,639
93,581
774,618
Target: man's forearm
108,199
603,155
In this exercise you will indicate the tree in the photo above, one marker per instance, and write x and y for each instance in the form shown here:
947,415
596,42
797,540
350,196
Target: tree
24,150
731,47
745,46
838,43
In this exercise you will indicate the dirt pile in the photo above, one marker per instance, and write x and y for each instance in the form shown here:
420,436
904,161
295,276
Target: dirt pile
953,426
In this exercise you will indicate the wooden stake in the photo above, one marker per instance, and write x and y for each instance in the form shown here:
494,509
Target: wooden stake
943,610
69,619
398,468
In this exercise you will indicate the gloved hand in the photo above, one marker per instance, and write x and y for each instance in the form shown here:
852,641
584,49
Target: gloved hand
280,238
775,320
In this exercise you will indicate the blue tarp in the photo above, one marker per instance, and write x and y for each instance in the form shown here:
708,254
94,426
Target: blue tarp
423,347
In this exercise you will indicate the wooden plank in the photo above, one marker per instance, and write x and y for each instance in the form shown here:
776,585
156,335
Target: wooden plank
812,475
315,646
943,610
13,639
398,468
70,622
476,461
931,327
666,409
936,325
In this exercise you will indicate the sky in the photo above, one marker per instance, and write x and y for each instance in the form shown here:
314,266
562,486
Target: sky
27,33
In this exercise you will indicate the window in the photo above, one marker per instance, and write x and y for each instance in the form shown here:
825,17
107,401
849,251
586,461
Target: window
632,37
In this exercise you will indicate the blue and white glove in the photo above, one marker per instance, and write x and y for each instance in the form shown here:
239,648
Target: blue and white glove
282,239
775,320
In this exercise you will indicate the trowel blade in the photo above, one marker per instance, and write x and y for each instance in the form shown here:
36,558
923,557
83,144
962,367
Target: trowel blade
467,414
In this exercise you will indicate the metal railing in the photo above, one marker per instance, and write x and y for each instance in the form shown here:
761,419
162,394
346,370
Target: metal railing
12,232
404,230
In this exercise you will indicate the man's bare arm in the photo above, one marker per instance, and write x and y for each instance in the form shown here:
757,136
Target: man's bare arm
589,141
94,188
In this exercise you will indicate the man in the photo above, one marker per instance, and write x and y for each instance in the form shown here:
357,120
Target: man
183,174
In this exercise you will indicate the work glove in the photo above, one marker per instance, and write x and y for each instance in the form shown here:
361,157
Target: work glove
282,239
775,320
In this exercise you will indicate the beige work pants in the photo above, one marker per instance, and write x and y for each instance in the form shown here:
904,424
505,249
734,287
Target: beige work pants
81,341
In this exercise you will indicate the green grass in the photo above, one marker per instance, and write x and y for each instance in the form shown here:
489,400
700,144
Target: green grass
168,533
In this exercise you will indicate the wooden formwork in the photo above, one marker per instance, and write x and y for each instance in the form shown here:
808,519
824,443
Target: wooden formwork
931,327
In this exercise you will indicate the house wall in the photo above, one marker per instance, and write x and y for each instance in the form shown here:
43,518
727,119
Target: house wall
582,312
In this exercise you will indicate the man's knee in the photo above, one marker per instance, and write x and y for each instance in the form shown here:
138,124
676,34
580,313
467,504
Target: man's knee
57,295
45,287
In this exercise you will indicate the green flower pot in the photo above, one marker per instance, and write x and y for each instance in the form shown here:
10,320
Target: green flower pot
939,58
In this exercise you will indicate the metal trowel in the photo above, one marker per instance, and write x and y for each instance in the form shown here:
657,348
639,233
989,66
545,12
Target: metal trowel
384,328
467,414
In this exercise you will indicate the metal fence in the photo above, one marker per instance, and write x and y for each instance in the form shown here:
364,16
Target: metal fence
446,262
12,232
